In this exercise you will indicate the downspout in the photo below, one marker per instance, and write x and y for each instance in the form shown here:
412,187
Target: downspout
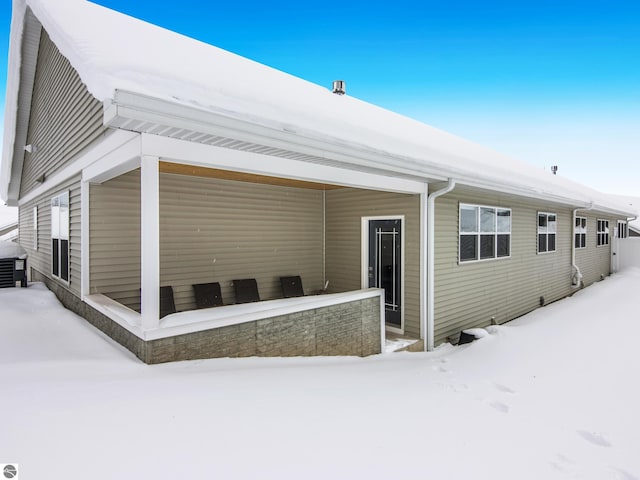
576,274
429,328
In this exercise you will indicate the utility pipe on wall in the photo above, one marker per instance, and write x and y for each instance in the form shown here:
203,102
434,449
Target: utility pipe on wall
578,274
429,328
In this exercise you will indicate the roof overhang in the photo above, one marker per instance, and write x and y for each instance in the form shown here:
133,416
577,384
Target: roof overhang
143,114
23,55
140,113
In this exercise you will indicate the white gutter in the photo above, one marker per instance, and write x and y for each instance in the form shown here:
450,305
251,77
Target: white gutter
430,320
576,274
141,113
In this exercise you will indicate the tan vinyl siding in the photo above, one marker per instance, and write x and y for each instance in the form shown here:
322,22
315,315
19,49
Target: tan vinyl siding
41,259
472,293
215,230
114,230
345,209
65,118
210,231
595,261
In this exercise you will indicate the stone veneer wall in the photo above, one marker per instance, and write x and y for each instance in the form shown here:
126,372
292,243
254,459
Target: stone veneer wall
351,328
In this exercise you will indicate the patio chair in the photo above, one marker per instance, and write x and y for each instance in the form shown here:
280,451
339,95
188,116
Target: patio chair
207,295
246,290
167,305
291,287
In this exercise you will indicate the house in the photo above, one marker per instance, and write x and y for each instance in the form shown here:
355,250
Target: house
633,226
140,159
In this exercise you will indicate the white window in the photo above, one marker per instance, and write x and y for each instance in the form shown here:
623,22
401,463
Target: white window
623,230
35,228
603,232
547,228
580,234
60,236
484,232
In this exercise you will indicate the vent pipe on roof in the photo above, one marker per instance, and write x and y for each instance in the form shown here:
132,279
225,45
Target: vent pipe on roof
339,87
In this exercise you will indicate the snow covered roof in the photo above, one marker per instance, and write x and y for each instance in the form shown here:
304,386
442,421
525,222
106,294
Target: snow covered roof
11,250
114,53
634,203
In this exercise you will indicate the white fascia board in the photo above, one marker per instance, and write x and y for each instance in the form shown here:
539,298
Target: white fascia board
23,55
538,195
119,157
127,106
109,147
182,151
615,212
129,110
520,191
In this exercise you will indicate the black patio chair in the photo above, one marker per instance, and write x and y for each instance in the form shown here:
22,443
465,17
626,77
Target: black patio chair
291,287
207,295
167,305
246,290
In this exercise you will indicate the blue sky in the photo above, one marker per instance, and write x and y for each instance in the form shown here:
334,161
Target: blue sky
548,82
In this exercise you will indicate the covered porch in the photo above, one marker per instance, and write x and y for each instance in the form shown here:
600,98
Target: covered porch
166,212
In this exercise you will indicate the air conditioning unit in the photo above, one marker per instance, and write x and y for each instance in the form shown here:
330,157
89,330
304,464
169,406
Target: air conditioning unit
13,272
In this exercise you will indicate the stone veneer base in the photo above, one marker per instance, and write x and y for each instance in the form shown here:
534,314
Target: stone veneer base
351,328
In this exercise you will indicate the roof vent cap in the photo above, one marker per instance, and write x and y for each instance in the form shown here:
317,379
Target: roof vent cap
339,87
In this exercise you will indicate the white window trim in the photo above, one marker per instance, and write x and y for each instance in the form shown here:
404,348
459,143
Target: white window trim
577,232
364,261
478,233
66,282
625,229
538,233
599,232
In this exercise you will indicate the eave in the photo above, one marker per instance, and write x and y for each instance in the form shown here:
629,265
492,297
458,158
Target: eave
23,55
140,113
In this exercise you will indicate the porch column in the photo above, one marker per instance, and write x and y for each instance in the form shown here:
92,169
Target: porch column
150,242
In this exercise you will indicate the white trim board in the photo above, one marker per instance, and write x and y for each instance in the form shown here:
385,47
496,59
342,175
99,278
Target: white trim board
364,264
182,151
96,152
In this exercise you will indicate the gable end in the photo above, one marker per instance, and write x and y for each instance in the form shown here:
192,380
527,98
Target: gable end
64,117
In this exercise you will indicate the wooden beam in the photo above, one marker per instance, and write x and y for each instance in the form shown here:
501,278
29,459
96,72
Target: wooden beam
180,169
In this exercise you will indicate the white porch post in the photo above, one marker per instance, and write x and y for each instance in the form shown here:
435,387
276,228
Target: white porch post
84,235
150,242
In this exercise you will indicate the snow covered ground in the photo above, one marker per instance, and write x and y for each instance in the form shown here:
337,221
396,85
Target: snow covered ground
553,395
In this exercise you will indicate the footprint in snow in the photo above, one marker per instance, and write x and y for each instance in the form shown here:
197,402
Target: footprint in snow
499,406
595,438
624,475
504,389
563,463
454,387
439,368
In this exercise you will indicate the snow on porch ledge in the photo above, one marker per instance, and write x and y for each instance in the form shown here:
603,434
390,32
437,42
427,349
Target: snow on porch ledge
193,321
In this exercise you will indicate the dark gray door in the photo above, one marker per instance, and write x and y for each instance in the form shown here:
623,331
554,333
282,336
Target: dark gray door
385,265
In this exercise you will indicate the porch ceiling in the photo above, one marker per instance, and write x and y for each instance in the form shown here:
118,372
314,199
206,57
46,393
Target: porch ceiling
181,169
